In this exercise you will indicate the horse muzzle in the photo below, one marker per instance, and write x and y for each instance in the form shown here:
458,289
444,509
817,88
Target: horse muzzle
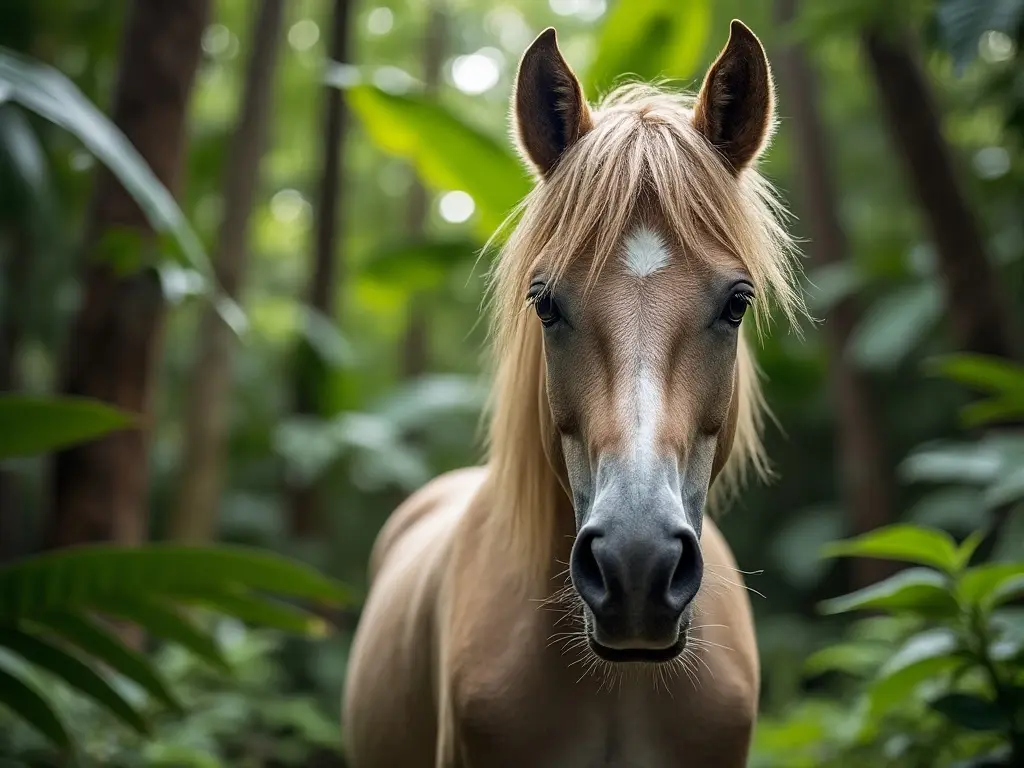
637,585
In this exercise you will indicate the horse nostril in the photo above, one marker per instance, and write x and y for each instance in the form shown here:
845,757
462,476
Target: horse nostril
689,571
585,570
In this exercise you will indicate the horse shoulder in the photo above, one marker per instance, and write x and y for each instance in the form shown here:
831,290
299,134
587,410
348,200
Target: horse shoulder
396,657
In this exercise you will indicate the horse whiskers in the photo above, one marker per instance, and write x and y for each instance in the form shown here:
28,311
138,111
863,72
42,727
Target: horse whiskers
735,584
734,570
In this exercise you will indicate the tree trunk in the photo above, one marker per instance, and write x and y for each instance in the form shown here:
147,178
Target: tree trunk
415,349
866,484
208,410
976,308
12,285
100,488
327,276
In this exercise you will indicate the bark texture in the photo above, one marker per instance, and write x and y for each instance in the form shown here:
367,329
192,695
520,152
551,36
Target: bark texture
977,312
866,484
100,489
327,276
208,410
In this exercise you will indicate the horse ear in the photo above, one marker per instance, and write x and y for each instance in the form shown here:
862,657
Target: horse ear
549,110
735,109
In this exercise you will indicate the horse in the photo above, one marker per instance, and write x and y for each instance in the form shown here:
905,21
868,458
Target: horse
568,602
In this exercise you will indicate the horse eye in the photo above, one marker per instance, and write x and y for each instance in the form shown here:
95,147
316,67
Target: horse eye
546,309
736,307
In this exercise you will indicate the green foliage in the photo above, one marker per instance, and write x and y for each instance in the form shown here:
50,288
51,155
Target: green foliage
30,425
50,94
649,40
448,153
948,694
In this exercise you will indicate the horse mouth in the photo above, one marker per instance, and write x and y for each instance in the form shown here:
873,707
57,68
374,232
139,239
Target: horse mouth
638,655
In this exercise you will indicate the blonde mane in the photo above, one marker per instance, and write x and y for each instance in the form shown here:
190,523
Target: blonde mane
642,150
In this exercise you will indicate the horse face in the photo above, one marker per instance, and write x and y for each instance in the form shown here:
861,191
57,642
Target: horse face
640,383
641,348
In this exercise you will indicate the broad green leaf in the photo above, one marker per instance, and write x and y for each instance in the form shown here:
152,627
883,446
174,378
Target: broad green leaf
54,97
856,659
995,375
903,542
649,39
989,584
448,153
895,324
73,672
967,548
34,425
91,576
45,91
924,656
420,264
1008,488
970,711
104,647
30,705
915,590
258,611
165,622
991,411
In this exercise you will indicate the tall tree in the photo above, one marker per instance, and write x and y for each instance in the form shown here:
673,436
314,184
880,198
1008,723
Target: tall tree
208,409
99,489
976,308
866,483
327,276
415,350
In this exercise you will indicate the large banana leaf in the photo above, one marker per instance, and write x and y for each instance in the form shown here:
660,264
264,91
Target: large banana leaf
45,602
447,152
31,425
649,40
92,577
51,95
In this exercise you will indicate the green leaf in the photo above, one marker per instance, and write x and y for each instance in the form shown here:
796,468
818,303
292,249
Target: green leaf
164,622
45,91
967,548
990,584
448,153
856,659
420,264
104,647
971,712
1006,489
649,39
923,657
995,375
258,611
903,542
73,672
30,705
33,425
915,590
91,576
895,324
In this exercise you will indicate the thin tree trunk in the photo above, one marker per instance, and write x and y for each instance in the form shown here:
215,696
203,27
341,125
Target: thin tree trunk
415,349
12,285
327,277
208,410
100,488
976,308
866,483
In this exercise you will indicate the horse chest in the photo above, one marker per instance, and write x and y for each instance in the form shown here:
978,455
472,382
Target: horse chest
579,727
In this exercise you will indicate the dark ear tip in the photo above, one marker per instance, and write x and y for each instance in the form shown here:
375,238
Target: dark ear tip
740,32
546,39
